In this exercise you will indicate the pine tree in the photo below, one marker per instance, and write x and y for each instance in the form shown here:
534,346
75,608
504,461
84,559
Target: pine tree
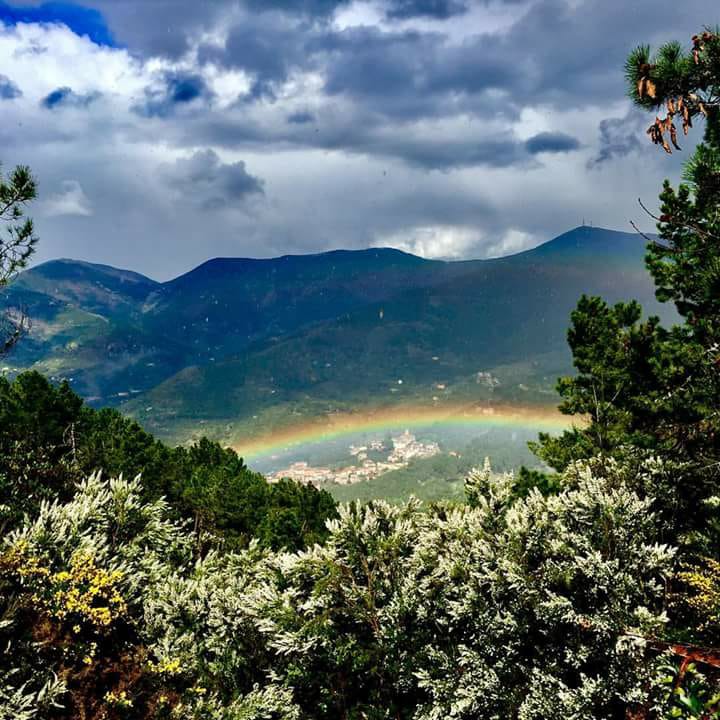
637,383
16,246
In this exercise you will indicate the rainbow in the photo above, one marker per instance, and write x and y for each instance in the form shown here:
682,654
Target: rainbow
336,425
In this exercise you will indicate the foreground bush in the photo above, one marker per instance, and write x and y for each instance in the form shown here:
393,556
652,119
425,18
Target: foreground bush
50,439
532,608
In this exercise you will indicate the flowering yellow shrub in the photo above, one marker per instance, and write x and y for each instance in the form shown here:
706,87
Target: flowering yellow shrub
86,591
86,595
169,668
18,560
702,581
118,699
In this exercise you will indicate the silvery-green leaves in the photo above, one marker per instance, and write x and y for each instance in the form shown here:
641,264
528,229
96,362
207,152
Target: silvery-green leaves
532,608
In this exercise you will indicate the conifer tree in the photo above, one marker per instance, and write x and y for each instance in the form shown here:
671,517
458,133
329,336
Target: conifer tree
17,244
638,383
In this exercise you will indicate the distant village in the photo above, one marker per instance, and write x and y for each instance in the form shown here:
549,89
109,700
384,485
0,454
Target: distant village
405,447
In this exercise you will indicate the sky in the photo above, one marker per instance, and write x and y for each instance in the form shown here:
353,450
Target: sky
166,132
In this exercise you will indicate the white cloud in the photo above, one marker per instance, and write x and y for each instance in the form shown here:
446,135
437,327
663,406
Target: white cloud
71,200
437,242
513,241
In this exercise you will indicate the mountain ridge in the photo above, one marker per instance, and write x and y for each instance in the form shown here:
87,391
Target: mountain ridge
552,243
235,337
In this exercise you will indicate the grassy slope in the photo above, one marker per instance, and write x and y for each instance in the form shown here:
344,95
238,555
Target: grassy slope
88,326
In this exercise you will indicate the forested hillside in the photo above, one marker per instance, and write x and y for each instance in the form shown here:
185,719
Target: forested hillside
51,441
307,334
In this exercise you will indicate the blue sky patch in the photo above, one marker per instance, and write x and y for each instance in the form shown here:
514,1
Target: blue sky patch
185,88
66,96
81,20
179,89
8,89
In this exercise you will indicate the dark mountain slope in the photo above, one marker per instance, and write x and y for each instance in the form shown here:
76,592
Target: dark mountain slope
235,337
476,317
116,333
95,288
87,324
226,304
595,244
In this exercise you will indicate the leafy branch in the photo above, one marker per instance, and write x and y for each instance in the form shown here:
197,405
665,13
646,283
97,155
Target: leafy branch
17,246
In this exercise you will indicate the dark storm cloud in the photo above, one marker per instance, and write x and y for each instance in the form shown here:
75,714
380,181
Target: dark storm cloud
301,118
406,74
556,54
82,20
205,180
438,9
363,135
413,75
267,47
8,89
369,63
177,88
364,124
572,54
448,155
67,97
551,142
390,78
316,8
619,137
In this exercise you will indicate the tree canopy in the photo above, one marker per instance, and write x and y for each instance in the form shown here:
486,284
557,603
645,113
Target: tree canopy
51,439
640,384
17,244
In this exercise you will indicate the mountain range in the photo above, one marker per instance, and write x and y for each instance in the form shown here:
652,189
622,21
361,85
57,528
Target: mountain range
239,344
